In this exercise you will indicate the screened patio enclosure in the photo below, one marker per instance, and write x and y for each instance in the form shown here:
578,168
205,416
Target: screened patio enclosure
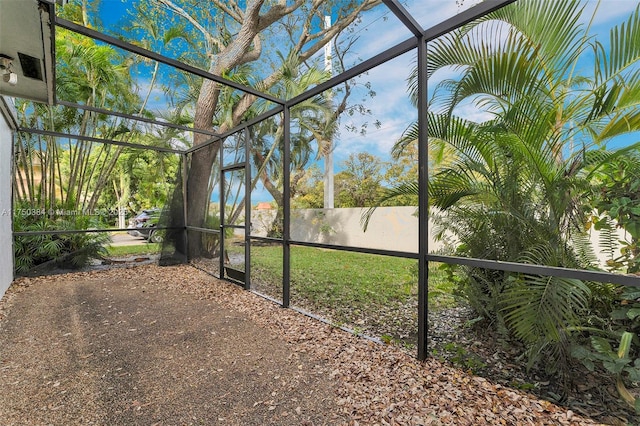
229,184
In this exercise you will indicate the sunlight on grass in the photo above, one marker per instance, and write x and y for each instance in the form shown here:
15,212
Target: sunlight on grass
348,278
329,277
138,249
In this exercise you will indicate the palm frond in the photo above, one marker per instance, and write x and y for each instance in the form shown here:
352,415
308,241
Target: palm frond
624,45
554,26
585,254
607,238
539,308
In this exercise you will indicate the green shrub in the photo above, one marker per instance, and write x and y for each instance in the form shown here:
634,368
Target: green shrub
63,250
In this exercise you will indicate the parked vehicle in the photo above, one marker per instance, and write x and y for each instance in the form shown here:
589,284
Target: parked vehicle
144,225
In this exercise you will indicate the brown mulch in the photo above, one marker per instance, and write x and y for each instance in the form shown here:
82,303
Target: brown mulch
173,346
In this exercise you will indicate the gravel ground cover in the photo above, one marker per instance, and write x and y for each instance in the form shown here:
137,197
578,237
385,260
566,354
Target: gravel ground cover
156,345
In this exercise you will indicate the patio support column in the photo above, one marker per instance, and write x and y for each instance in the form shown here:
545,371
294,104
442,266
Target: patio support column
247,209
223,202
185,210
286,206
423,204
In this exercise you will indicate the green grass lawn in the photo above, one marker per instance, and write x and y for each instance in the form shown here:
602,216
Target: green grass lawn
138,249
337,277
354,278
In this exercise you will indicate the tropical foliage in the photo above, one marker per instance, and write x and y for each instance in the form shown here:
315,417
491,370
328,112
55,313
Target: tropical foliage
617,203
518,184
37,253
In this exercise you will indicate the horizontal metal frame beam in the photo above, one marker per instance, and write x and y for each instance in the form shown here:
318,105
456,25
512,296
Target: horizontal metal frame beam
265,239
98,140
203,230
240,127
392,253
203,145
553,271
86,231
136,118
72,26
233,226
234,167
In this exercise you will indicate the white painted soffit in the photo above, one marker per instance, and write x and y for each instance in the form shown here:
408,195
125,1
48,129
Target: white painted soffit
27,50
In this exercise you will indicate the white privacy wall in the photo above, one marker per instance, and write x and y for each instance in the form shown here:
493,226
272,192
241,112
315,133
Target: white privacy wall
390,228
6,240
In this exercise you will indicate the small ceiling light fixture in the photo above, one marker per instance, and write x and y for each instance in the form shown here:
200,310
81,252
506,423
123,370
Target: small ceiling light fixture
6,69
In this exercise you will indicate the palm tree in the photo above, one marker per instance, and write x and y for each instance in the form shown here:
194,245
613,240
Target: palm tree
52,173
512,188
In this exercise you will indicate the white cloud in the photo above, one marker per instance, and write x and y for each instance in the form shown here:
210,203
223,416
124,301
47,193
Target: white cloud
610,12
391,106
380,29
430,13
470,111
